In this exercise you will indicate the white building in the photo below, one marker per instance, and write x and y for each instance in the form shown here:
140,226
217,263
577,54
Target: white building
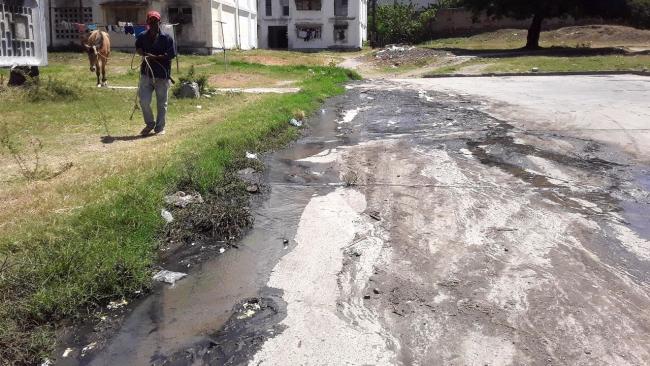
313,24
199,29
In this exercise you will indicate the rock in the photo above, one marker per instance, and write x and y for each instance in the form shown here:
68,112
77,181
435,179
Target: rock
166,215
295,122
250,155
587,351
168,276
535,69
366,297
19,75
189,90
376,291
67,352
253,188
375,215
182,199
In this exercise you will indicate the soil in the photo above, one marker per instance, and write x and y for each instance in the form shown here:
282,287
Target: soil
241,80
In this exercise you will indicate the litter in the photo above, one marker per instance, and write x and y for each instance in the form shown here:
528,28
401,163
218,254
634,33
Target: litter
250,155
222,250
295,122
166,215
67,352
89,347
249,310
117,304
168,276
198,107
253,188
535,69
182,199
47,362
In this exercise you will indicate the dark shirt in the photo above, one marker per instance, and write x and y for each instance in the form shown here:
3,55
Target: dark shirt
162,44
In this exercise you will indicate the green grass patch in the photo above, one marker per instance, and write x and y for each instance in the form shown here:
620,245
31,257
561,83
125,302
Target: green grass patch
552,64
64,265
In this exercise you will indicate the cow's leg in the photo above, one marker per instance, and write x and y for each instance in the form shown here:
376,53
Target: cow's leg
97,72
104,72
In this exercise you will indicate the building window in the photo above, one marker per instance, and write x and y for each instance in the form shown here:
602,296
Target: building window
180,15
341,8
64,16
341,33
285,10
269,8
308,32
308,4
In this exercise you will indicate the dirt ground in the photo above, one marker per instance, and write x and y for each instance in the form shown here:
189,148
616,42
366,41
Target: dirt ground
438,55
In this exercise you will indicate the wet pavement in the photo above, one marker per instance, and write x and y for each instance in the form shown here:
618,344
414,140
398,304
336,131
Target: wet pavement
424,223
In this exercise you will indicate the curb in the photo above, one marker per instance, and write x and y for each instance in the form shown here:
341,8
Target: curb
559,73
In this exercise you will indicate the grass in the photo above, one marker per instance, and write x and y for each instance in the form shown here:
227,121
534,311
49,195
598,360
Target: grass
551,64
59,266
571,37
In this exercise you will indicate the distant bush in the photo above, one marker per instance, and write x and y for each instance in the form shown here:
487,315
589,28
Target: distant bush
54,90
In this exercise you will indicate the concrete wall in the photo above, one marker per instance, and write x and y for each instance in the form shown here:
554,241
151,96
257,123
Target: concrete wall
459,22
323,19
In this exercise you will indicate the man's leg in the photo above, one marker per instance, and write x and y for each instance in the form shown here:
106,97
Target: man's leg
162,89
145,92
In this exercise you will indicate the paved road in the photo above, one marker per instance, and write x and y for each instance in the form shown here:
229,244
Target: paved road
474,221
492,222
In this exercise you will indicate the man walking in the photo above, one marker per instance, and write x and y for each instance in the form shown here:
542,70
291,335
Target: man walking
157,49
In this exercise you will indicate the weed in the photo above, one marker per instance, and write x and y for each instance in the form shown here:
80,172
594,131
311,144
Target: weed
351,178
54,90
29,162
299,115
191,77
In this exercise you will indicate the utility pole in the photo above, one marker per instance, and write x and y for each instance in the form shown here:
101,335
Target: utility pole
223,43
373,37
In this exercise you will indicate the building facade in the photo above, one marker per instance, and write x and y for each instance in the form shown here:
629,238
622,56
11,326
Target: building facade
202,26
312,24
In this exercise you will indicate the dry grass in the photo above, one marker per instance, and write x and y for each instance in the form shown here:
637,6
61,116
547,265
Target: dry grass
578,36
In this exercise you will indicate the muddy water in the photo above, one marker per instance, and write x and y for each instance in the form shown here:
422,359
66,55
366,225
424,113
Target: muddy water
174,318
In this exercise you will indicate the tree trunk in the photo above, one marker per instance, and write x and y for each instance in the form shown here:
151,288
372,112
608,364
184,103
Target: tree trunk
534,32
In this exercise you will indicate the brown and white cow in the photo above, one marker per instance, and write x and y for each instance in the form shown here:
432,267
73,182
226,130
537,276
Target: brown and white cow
98,47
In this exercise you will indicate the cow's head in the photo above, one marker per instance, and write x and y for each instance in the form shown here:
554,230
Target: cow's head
93,56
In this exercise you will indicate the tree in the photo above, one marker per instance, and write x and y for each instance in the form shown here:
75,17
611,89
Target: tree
539,10
401,23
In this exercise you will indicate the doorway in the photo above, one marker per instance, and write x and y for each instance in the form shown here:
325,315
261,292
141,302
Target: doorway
278,37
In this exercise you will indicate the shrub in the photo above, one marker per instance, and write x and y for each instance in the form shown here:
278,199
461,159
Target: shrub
191,77
53,90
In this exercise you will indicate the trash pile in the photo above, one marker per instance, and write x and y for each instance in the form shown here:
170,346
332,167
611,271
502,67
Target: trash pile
404,54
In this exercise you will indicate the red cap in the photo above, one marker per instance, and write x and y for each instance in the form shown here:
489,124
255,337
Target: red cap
153,14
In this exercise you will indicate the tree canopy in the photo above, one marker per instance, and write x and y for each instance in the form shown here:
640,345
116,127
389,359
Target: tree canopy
539,10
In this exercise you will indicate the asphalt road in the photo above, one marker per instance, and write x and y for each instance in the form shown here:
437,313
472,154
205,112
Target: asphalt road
473,221
492,221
